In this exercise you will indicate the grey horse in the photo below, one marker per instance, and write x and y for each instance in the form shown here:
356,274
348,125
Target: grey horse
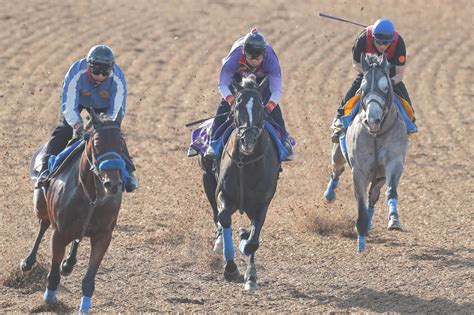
376,144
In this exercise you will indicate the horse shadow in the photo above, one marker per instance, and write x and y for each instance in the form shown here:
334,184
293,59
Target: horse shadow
393,301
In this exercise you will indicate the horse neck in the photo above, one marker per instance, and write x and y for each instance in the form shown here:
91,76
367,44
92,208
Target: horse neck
85,172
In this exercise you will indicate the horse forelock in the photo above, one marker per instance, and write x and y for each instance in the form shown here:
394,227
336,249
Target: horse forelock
249,82
373,59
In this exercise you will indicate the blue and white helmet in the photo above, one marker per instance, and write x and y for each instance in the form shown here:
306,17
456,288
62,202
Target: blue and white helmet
383,30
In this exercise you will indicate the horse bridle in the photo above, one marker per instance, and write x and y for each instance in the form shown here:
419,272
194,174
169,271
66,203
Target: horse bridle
94,162
378,96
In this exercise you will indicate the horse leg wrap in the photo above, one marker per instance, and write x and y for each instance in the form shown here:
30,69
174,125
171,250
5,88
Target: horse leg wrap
370,212
392,207
49,296
85,304
228,244
360,243
329,194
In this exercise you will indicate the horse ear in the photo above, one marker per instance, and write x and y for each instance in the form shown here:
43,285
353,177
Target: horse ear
364,63
263,85
236,85
384,64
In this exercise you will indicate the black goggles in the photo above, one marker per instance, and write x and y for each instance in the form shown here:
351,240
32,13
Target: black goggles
381,42
104,70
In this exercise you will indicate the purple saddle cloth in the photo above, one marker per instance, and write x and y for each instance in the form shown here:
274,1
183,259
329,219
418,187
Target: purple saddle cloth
201,136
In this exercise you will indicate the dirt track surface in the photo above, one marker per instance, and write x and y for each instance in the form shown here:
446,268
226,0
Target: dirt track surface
161,255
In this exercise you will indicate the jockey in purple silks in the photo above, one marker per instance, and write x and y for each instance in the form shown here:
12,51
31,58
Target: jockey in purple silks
250,55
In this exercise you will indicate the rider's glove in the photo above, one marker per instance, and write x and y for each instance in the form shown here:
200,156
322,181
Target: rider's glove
230,99
270,106
78,130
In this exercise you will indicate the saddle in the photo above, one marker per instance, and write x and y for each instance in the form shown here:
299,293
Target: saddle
353,105
201,137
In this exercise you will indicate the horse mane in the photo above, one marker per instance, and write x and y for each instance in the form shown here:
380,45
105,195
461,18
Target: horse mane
250,82
373,59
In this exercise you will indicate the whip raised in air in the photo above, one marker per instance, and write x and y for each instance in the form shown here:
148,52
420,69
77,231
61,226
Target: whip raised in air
339,19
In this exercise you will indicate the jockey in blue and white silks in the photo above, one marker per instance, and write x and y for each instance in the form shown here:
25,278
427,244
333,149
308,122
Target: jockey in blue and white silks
250,55
81,90
97,83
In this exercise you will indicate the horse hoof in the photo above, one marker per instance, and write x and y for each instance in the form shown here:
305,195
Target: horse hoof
330,196
233,275
394,224
66,269
49,297
250,286
26,266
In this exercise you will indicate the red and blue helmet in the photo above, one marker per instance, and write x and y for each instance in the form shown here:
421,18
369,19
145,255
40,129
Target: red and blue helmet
383,30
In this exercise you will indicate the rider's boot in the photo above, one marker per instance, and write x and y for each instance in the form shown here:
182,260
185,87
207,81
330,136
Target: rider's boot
132,183
337,129
192,151
290,156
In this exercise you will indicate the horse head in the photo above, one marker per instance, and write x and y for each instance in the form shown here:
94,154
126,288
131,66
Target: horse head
104,152
248,112
376,91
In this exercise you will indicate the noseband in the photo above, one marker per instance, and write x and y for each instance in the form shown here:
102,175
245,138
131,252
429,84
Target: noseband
99,164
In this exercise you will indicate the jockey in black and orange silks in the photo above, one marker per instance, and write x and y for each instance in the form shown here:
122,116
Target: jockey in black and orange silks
380,38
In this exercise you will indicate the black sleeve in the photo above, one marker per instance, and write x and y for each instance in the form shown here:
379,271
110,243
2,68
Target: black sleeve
399,57
359,46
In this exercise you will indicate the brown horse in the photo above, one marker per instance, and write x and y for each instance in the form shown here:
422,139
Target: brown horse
83,198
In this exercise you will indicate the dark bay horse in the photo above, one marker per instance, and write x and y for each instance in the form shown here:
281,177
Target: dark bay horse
82,200
246,179
376,147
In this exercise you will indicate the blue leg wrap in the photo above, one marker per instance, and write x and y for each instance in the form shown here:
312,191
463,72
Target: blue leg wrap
330,194
85,304
228,244
360,243
49,296
393,207
370,212
242,247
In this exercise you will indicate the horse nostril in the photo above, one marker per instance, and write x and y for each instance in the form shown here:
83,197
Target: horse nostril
107,185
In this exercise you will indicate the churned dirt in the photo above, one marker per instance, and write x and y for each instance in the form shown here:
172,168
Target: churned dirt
161,255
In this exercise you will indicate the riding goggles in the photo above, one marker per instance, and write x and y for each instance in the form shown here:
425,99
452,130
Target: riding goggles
101,69
254,57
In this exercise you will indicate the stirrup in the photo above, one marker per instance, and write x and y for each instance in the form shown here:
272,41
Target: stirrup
210,154
290,156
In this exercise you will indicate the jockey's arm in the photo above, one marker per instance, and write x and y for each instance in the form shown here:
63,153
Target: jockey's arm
398,77
118,95
230,65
